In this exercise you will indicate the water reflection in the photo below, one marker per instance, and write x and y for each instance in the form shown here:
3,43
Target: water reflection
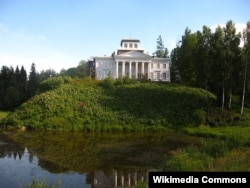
100,160
117,178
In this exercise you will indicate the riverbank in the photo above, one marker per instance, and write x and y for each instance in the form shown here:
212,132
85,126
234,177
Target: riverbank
225,149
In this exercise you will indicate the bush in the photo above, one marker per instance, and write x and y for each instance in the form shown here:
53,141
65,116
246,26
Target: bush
42,184
51,83
108,83
199,116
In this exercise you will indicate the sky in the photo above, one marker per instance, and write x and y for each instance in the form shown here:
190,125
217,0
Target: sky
58,34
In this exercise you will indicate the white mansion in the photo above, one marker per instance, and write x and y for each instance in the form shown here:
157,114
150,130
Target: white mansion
131,61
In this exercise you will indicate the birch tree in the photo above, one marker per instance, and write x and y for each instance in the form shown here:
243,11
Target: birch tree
246,48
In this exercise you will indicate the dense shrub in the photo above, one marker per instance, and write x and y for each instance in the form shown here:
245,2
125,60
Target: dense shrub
53,83
87,104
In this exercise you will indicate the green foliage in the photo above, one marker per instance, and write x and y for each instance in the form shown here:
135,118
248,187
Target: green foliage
108,82
42,184
200,116
81,71
160,50
33,81
218,151
141,184
13,87
87,104
53,83
214,61
124,80
3,115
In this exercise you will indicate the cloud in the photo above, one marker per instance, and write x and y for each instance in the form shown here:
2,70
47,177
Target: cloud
20,35
20,48
239,27
43,59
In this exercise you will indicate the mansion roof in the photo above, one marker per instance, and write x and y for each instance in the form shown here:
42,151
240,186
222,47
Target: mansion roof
131,55
130,50
129,40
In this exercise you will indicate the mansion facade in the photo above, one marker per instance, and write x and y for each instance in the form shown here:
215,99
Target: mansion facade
130,60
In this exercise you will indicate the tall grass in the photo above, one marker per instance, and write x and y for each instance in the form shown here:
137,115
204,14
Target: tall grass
42,184
224,149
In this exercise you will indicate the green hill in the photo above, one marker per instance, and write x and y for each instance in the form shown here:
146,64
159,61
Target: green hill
92,105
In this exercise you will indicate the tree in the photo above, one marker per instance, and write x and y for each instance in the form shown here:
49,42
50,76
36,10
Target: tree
82,70
23,84
161,51
231,45
219,64
203,62
174,71
246,49
45,74
185,57
33,82
11,93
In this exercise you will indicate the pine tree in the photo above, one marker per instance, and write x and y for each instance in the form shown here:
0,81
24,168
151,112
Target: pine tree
161,51
33,82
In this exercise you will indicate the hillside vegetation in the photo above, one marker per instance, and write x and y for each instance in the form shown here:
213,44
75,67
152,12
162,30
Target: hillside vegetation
96,105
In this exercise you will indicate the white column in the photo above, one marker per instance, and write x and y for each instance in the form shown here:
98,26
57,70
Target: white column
142,70
149,69
123,68
130,69
135,178
129,180
122,180
115,178
116,69
136,70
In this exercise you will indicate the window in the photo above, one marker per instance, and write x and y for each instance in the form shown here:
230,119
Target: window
125,45
164,76
158,65
158,75
152,65
135,45
130,45
164,66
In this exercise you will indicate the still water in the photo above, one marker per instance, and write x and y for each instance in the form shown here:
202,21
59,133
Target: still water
80,159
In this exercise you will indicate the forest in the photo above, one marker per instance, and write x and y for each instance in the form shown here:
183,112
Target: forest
17,86
215,61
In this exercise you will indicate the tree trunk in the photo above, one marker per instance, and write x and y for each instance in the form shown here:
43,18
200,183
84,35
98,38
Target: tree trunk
244,90
223,97
230,99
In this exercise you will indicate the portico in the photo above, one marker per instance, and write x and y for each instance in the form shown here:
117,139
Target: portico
132,69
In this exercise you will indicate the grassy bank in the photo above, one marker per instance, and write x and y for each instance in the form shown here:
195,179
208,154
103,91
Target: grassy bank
225,149
3,115
98,106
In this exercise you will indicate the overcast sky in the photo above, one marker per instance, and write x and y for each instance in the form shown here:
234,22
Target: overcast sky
57,34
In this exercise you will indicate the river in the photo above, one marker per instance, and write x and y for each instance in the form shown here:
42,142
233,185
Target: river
83,159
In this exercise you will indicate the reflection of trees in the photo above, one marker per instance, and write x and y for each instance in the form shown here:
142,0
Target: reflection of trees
10,149
85,152
31,157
